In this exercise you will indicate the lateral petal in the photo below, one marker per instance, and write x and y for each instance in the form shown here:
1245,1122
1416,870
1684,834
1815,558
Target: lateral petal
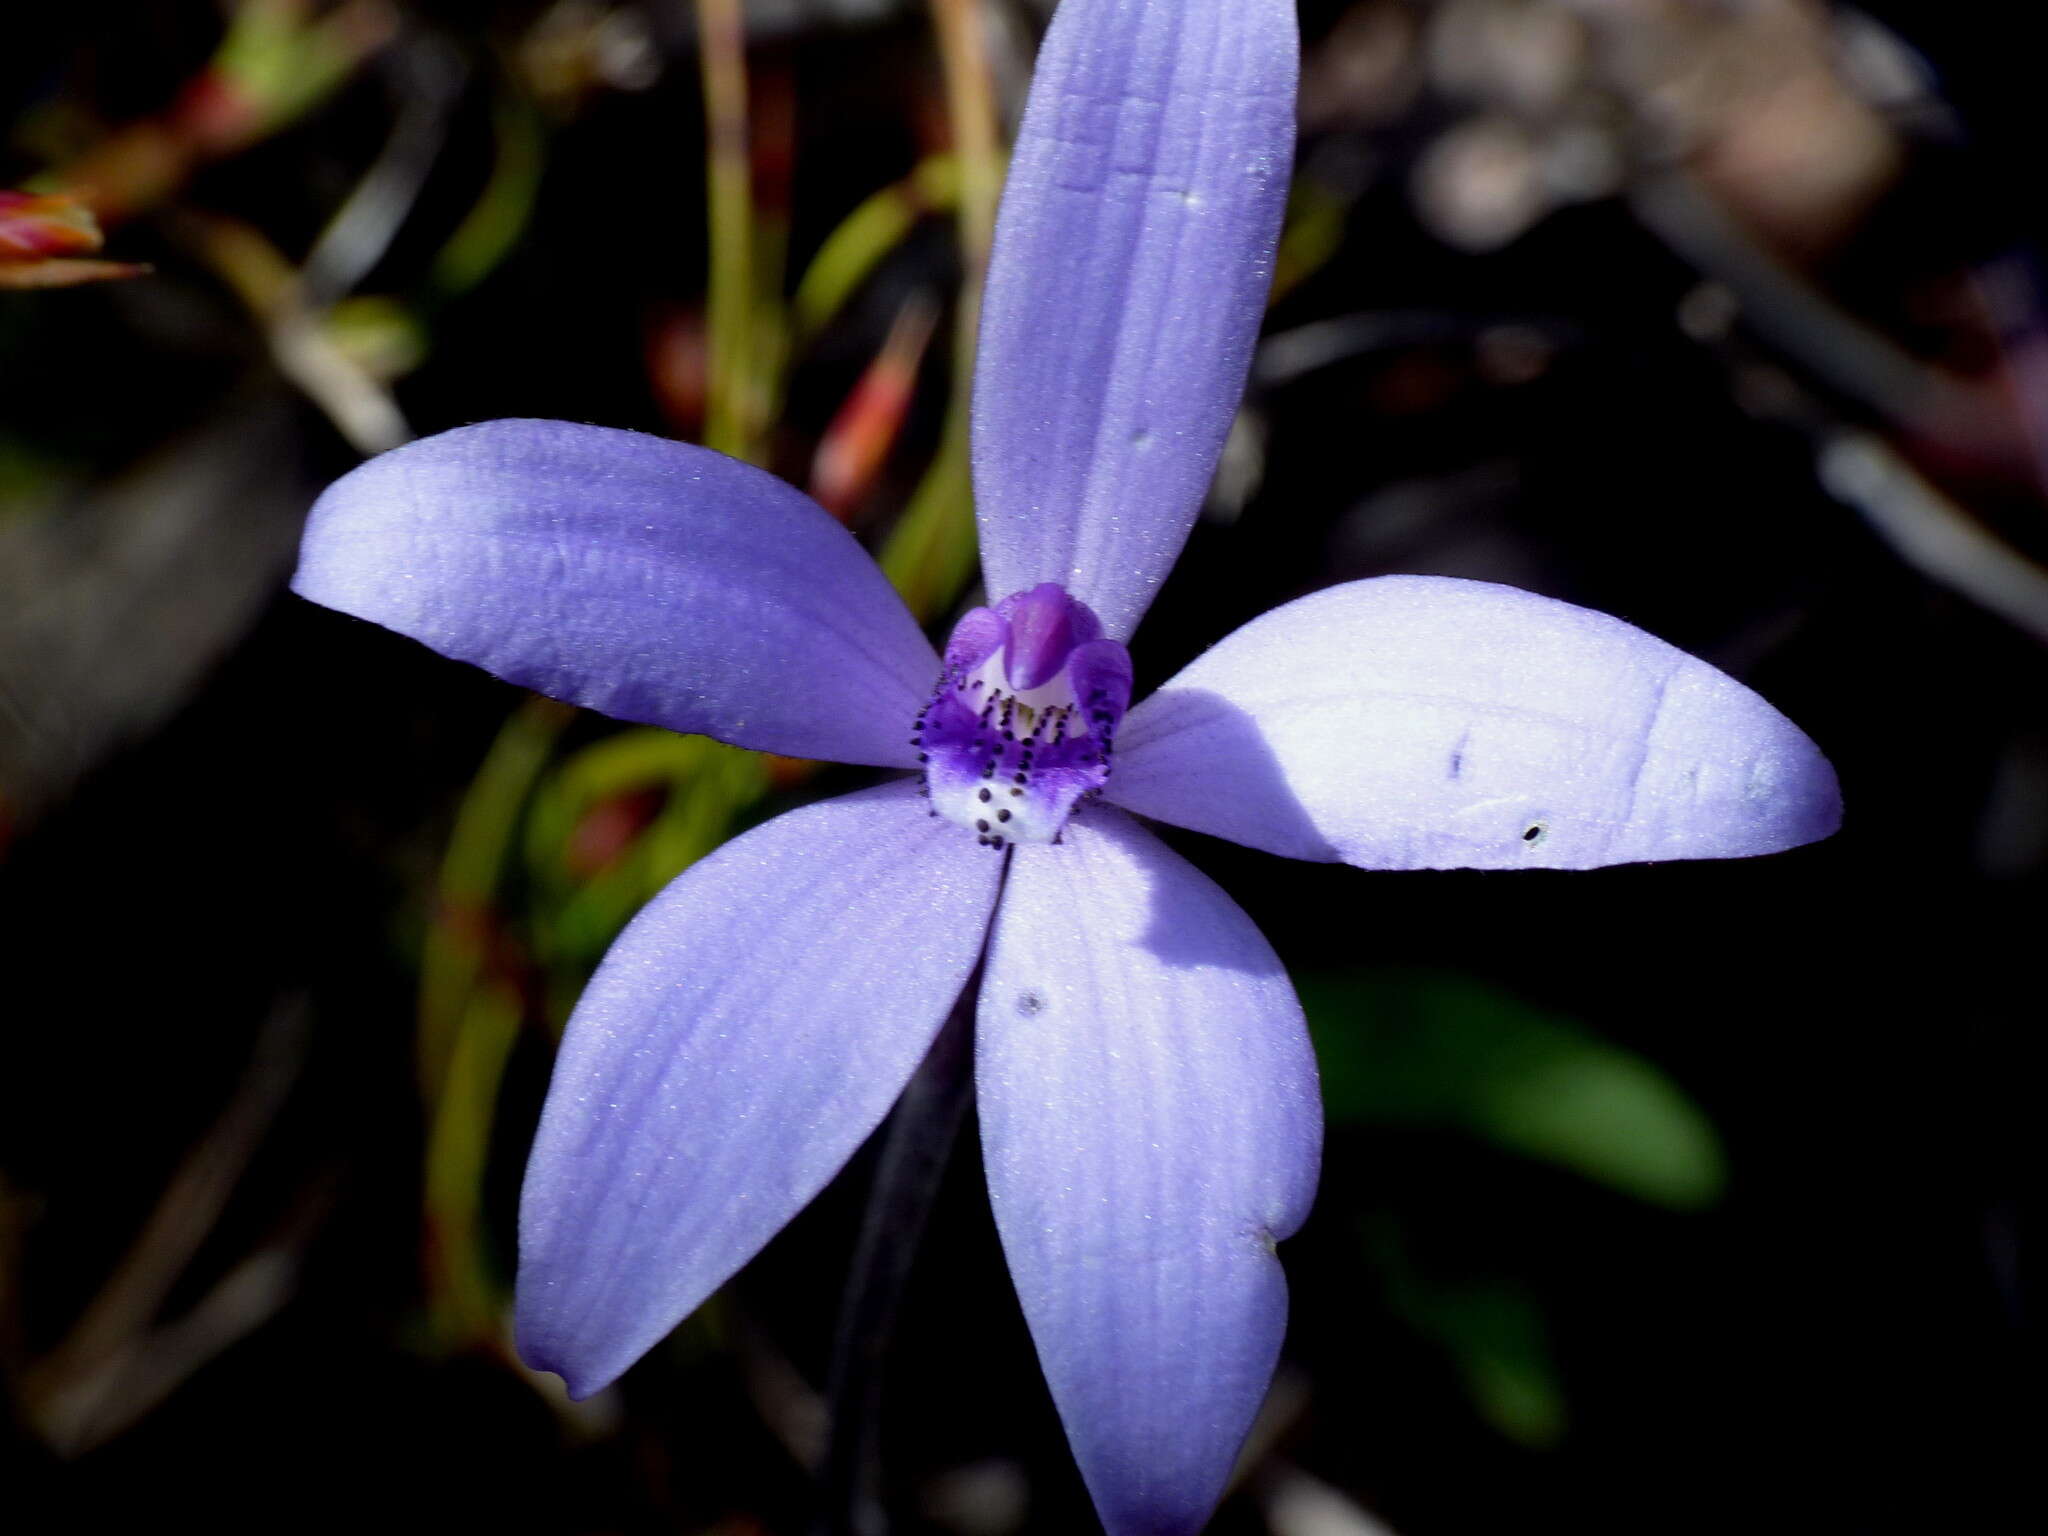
1132,260
652,580
747,1031
1421,722
1151,1127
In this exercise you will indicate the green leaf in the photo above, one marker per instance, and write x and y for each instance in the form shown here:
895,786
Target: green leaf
1491,1327
1442,1050
1496,1334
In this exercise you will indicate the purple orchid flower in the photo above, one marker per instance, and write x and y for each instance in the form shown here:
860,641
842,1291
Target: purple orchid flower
1148,1098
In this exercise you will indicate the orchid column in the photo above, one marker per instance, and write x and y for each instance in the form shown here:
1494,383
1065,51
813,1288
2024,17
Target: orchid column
1147,1096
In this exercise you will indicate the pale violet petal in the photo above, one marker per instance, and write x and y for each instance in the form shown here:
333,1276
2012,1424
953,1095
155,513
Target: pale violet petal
1419,722
1132,260
652,580
1151,1127
743,1036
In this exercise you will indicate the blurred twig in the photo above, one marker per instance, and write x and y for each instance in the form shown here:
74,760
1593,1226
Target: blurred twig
426,77
971,110
464,1296
462,937
730,216
278,60
358,404
47,241
84,1390
1929,531
856,247
930,555
66,272
1861,469
1286,357
470,1014
296,307
471,1006
255,1290
494,224
851,453
1297,1504
1795,317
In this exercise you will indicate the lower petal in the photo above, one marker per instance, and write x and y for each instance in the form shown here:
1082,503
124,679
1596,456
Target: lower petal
1151,1127
745,1034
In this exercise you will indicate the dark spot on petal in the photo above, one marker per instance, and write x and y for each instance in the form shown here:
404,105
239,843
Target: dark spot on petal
1030,1004
1002,815
1536,832
984,794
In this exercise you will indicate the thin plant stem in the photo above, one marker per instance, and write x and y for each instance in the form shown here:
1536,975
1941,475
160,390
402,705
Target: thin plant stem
930,555
1805,324
971,111
721,36
915,1149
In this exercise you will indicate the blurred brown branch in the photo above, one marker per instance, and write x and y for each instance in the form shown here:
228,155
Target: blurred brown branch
117,1362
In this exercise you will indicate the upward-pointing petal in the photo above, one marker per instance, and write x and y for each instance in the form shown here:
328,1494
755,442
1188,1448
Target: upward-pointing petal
1132,260
744,1035
1419,722
652,580
1151,1128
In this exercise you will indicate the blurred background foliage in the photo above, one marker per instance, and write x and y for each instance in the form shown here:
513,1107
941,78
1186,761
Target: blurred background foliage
1676,1198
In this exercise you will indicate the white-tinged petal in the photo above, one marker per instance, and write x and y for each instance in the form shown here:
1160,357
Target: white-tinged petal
1420,722
1151,1127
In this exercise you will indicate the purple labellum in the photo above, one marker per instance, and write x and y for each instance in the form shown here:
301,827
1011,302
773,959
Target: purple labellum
1022,725
1045,626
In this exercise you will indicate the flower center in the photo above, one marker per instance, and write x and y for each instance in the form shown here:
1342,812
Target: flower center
1022,724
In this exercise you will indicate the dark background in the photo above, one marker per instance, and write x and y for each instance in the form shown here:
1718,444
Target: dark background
1784,1294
